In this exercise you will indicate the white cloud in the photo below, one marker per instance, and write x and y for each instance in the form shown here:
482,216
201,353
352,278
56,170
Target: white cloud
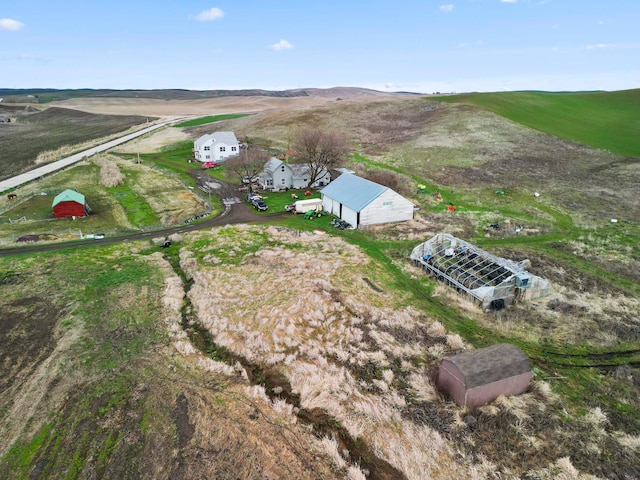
509,1
281,45
29,57
208,15
601,45
10,24
446,8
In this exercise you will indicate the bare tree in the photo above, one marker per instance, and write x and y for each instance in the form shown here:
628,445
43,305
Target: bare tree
319,150
393,180
247,166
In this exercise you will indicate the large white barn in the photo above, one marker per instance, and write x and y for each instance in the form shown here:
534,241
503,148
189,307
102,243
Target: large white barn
216,147
362,202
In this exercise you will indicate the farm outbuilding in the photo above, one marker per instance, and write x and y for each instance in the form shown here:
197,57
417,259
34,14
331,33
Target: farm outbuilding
478,377
70,204
361,202
491,281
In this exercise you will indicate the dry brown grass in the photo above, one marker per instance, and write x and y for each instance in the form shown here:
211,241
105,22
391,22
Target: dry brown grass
110,174
154,142
66,150
175,108
346,352
335,348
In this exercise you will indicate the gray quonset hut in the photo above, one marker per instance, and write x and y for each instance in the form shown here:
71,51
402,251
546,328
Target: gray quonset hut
475,378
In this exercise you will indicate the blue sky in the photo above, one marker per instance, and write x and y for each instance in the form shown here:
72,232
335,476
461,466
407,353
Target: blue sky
413,45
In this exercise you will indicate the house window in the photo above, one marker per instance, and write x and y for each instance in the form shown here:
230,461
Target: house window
207,157
282,168
387,203
234,149
222,149
283,181
206,149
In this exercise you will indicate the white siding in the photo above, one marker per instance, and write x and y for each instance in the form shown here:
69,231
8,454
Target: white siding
300,182
350,216
279,176
388,207
328,205
215,149
219,154
322,180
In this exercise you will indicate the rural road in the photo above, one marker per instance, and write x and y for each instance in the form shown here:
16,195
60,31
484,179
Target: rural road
236,211
65,162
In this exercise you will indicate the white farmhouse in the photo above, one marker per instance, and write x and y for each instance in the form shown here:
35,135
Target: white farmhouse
278,175
362,202
216,147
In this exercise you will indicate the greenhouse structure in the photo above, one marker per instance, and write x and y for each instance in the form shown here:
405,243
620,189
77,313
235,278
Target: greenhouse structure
491,281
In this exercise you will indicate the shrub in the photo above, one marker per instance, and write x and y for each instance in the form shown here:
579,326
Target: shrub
110,174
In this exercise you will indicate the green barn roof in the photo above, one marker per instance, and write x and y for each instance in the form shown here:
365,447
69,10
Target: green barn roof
68,196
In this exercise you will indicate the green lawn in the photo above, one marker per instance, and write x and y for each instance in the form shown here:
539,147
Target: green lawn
607,120
210,119
276,201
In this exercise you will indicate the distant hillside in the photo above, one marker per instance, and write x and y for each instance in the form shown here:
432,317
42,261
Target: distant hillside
607,120
49,95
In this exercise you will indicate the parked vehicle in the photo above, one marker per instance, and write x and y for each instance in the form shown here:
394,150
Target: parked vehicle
311,214
259,204
341,224
206,165
303,206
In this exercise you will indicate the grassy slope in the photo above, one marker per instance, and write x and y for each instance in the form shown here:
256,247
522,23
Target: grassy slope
607,120
119,402
575,386
210,119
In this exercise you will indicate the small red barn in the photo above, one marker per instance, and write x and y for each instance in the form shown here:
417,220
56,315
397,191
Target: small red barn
70,204
475,378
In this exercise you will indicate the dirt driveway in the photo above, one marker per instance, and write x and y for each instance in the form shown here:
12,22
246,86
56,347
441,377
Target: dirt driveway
236,211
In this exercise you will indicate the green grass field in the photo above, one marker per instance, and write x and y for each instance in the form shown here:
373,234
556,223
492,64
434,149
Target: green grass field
210,119
607,120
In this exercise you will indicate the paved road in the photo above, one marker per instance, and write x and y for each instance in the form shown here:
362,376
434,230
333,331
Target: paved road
65,162
236,211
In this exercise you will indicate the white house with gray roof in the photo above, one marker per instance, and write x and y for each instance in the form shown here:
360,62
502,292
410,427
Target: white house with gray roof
278,175
216,147
362,202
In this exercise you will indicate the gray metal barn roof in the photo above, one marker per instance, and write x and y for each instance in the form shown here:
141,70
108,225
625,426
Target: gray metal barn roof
488,365
353,192
218,137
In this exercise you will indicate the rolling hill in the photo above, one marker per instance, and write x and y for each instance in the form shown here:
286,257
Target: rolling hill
607,120
272,350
